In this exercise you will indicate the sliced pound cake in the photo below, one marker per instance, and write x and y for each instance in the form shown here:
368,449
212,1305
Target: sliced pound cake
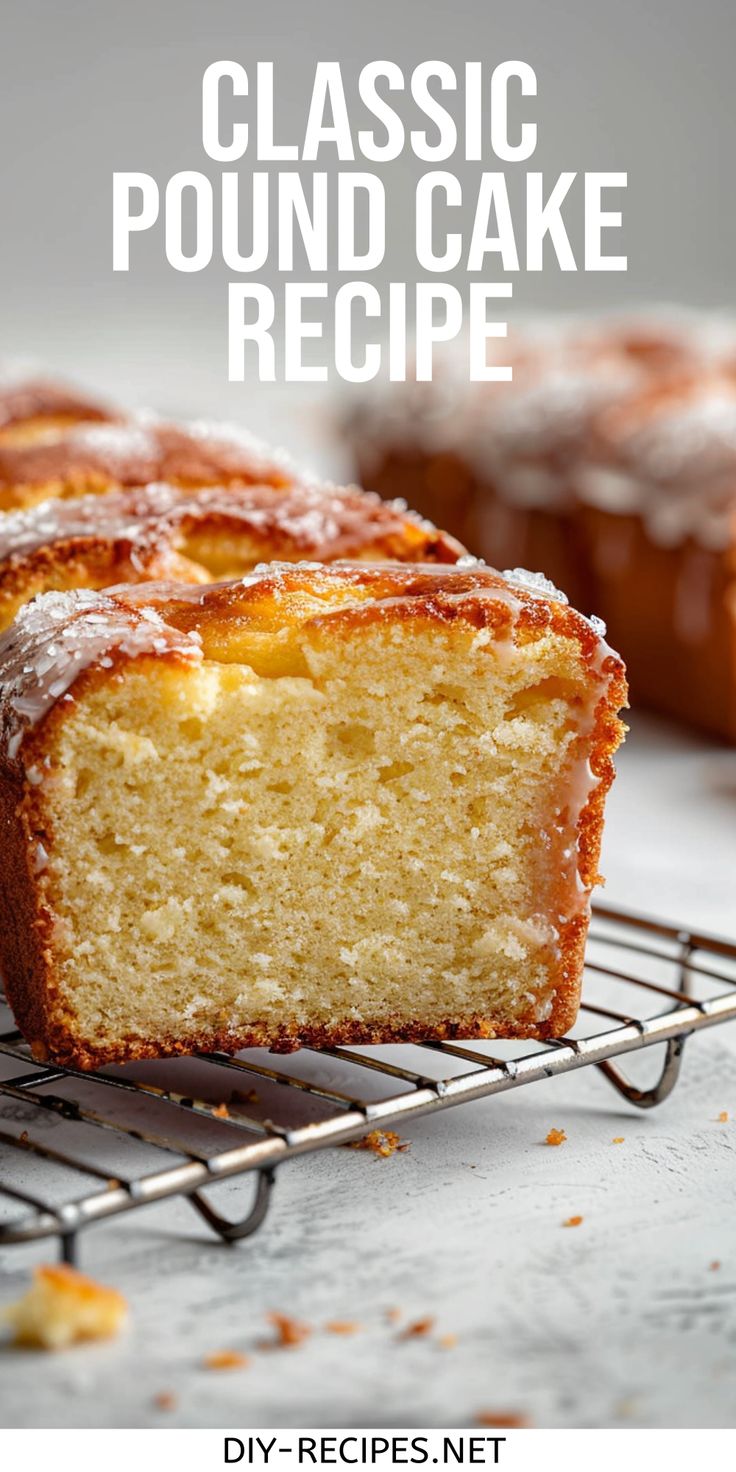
320,805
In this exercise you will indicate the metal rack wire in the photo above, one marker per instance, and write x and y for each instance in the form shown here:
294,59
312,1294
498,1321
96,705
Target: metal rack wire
76,1149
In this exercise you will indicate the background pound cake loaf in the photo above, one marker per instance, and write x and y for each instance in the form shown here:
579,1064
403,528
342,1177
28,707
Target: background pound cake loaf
321,805
93,458
161,532
609,463
35,408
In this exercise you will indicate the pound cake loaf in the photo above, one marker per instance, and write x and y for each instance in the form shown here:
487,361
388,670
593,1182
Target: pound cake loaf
163,533
34,408
320,805
92,458
609,463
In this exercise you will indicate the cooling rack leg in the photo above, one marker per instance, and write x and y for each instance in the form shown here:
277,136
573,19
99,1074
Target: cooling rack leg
68,1248
234,1231
648,1098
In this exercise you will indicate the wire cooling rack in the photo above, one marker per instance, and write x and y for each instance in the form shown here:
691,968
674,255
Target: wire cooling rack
77,1148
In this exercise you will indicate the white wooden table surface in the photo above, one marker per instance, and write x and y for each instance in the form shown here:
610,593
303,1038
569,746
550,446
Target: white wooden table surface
621,1321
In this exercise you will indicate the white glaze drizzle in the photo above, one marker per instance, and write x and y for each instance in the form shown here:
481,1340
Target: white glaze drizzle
310,516
57,636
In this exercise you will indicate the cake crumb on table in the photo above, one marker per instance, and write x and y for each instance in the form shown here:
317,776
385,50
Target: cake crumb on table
342,1326
225,1359
572,1221
418,1329
555,1137
381,1142
221,1111
245,1096
714,1266
618,1140
447,1341
289,1332
64,1307
511,1419
722,1117
165,1400
392,1315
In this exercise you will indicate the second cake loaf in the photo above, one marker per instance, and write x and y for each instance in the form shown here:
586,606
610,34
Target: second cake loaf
162,532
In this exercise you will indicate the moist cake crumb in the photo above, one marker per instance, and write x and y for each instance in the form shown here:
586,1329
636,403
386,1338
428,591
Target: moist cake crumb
512,1419
225,1359
64,1307
418,1329
289,1332
381,1142
165,1400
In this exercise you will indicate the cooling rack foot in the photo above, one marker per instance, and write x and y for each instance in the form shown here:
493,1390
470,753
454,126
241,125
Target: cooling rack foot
68,1248
234,1231
648,1098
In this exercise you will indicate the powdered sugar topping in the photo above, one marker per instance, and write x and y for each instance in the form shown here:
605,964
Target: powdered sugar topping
115,443
535,583
57,636
326,520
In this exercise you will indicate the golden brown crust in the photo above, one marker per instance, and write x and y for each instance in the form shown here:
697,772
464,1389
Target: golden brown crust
28,966
60,1044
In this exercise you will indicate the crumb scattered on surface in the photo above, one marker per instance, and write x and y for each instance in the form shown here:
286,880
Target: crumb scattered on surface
63,1307
418,1328
225,1359
342,1326
244,1096
447,1341
618,1140
714,1266
289,1332
221,1111
723,1117
393,1315
501,1418
572,1221
381,1142
555,1137
628,1407
165,1400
